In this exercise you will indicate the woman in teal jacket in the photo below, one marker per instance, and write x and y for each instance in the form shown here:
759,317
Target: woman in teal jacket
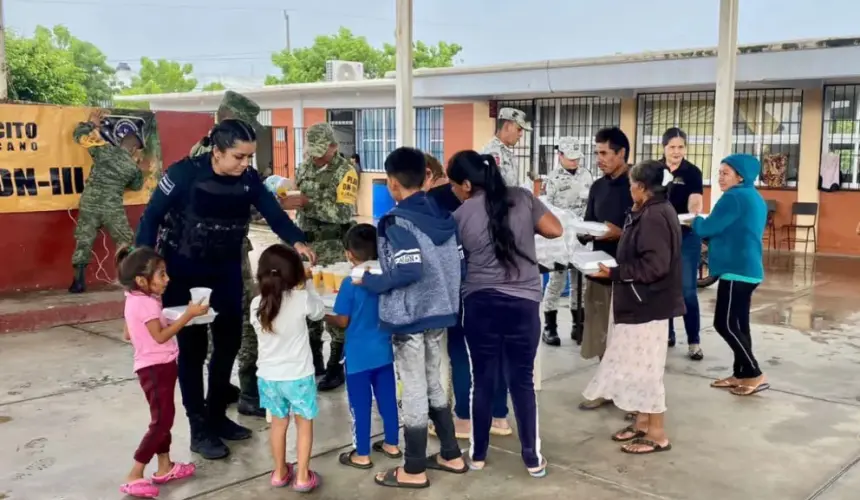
734,229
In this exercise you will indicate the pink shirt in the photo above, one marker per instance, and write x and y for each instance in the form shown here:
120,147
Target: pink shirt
139,310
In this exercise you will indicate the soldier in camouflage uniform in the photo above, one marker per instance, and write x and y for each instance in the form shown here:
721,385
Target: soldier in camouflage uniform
509,129
116,167
237,106
567,188
330,184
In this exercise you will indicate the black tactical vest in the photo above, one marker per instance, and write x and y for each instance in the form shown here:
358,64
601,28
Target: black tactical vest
211,221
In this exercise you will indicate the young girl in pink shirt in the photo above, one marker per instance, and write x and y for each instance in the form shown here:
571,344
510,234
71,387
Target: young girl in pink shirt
143,274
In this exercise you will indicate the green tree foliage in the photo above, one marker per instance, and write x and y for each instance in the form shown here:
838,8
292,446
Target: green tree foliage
214,86
161,77
87,57
307,64
40,71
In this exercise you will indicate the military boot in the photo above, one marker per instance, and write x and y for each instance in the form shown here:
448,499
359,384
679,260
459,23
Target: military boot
79,283
578,327
550,329
317,354
334,376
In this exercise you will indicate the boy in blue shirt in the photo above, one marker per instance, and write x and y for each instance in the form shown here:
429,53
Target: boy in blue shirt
368,356
419,297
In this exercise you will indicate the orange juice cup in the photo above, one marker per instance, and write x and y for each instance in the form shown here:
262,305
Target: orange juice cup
316,272
328,280
309,274
339,276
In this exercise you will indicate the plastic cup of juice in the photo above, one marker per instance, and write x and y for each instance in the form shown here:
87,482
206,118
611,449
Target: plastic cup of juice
317,276
328,280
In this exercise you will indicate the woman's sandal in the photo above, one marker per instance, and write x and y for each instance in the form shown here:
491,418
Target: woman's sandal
724,383
540,471
379,447
633,432
389,480
345,458
749,390
594,404
654,447
432,462
142,488
314,481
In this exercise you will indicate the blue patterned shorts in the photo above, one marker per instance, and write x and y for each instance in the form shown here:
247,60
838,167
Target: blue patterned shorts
283,397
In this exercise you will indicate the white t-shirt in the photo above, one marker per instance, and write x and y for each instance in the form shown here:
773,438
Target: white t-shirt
285,353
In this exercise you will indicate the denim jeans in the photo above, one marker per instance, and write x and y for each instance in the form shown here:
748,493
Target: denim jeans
691,254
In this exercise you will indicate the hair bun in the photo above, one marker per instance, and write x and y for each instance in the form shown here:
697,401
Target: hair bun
206,142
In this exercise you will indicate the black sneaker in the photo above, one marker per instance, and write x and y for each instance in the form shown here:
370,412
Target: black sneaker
250,410
230,430
332,380
208,446
671,342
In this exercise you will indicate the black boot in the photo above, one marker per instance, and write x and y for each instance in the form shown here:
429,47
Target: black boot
550,329
79,282
203,442
317,354
578,325
334,377
249,409
227,429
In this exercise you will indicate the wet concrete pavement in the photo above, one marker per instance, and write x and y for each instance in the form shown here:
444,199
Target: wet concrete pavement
72,413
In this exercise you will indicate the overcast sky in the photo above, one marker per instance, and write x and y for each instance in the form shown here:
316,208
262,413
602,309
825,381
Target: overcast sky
224,38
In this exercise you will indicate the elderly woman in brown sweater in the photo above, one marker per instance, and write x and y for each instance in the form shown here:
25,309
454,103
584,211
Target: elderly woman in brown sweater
646,294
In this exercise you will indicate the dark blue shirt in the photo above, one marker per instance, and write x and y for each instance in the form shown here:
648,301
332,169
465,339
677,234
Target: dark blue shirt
176,184
367,345
444,197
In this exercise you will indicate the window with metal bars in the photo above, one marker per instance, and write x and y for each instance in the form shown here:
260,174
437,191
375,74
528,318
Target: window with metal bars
551,119
841,133
376,134
766,124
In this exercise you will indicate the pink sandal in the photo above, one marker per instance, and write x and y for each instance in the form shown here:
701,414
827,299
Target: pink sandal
313,483
280,483
141,488
179,471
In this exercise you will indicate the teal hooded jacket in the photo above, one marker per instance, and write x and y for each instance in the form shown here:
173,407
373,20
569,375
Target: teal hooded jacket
736,224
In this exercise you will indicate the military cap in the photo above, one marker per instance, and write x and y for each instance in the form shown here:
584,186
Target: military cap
570,148
515,115
241,108
318,139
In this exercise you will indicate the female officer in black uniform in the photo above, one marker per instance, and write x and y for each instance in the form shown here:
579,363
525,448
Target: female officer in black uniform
198,217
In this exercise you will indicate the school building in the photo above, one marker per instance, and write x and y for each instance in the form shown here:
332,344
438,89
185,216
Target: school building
796,108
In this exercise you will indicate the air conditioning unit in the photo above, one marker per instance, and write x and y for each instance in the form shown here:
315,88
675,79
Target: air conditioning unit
343,71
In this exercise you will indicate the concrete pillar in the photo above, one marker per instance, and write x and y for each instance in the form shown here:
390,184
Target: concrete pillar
811,124
403,85
628,124
727,56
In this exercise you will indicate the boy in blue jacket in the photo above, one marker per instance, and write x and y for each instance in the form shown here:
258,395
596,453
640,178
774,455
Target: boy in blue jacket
419,296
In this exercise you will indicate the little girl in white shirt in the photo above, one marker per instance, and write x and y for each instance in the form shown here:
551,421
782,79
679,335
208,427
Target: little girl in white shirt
285,369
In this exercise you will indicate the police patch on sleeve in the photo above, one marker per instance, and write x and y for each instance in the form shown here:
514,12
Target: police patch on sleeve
347,190
166,185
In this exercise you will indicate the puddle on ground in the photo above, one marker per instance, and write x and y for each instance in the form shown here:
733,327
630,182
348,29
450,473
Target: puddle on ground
3,420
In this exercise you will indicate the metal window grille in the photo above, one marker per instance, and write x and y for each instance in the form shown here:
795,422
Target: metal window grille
551,119
766,124
693,112
376,134
841,134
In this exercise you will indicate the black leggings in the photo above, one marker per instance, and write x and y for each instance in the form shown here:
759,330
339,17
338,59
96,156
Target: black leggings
732,321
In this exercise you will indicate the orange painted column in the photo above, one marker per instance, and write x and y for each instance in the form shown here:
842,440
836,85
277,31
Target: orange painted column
458,132
313,116
284,150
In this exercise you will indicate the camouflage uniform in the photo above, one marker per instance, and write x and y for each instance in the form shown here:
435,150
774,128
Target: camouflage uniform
568,190
237,106
503,154
114,170
332,190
